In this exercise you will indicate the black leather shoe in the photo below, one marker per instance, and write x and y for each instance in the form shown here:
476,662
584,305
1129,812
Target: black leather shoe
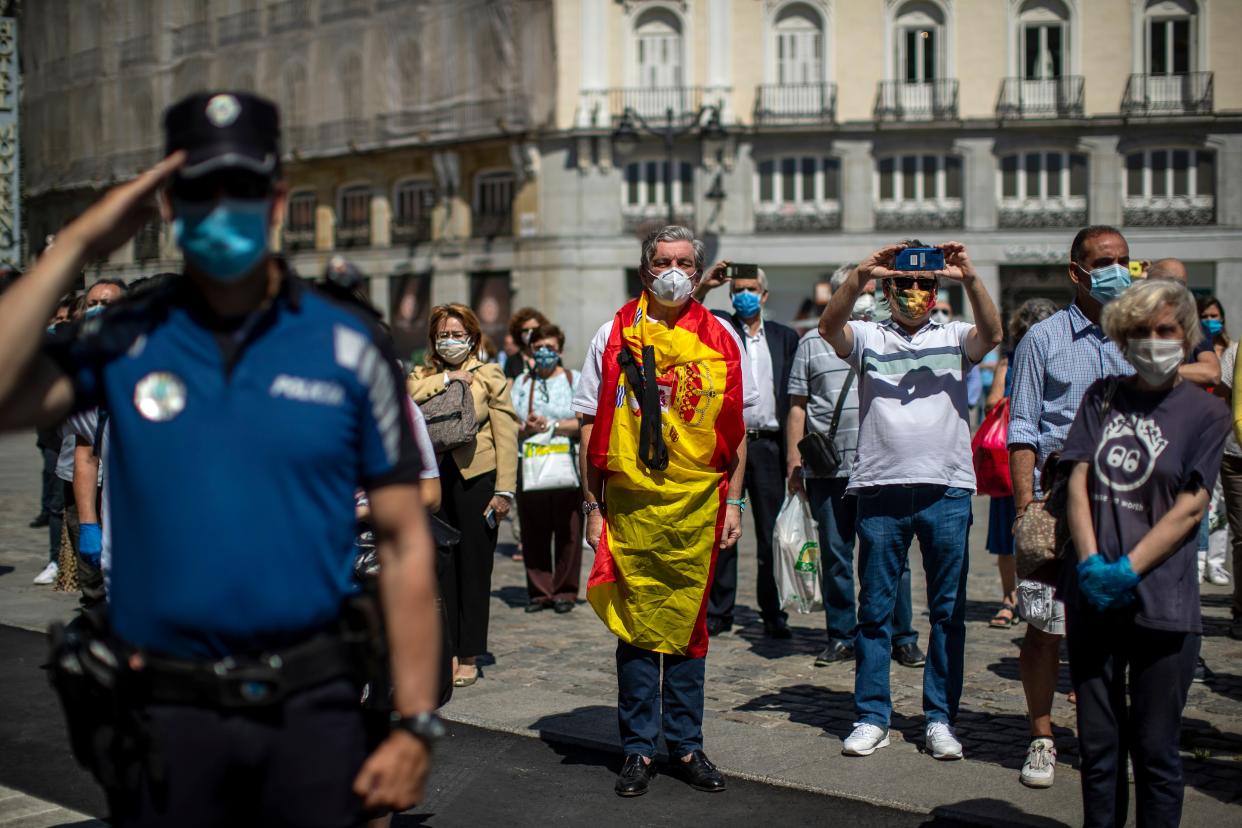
634,777
700,773
909,655
40,521
777,628
834,653
562,607
716,626
536,606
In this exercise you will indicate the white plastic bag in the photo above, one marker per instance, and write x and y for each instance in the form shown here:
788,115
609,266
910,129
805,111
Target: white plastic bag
796,547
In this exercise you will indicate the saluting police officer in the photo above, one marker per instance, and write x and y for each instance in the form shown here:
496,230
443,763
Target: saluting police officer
246,408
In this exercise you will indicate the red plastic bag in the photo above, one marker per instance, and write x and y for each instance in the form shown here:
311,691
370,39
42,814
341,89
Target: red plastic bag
990,447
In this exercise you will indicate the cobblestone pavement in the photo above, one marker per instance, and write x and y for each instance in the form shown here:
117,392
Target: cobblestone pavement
773,684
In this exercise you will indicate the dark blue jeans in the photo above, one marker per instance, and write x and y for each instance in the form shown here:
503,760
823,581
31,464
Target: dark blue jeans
836,514
889,518
640,699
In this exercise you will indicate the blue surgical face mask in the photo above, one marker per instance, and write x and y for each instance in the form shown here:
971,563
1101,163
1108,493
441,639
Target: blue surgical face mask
1213,326
95,311
225,239
1108,282
546,358
746,304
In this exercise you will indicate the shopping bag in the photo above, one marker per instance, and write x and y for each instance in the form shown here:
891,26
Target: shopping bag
548,463
797,556
990,447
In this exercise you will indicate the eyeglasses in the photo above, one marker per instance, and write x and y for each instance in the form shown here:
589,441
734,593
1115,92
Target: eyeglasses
451,335
913,282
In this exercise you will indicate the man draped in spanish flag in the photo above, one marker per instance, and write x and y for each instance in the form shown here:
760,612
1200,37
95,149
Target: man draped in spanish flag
661,397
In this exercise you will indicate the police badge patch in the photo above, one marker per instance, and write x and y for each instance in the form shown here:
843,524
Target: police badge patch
222,110
159,396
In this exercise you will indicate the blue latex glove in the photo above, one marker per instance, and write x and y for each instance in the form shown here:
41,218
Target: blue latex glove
90,542
1107,585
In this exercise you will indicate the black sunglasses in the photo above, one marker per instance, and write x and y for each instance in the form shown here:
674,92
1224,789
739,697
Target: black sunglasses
229,184
909,282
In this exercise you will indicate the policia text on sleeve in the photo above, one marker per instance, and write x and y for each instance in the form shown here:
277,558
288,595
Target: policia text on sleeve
246,407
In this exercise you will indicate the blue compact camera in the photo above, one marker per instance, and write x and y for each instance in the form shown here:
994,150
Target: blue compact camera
919,258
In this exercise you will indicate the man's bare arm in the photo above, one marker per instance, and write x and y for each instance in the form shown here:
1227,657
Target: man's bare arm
85,481
1204,371
1022,473
795,430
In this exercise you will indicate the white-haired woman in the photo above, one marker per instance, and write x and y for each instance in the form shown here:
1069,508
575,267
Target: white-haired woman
1145,452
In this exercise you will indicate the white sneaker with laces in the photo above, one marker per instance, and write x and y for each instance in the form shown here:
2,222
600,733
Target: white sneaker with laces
1217,574
48,575
865,740
1041,763
942,743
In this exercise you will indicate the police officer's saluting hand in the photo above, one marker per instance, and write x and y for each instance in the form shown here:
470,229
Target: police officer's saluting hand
247,408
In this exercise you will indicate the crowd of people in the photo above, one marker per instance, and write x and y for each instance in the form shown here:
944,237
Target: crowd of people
678,422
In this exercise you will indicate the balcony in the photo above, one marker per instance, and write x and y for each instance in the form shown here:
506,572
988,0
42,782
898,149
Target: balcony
288,15
1030,213
642,219
917,100
85,65
137,51
239,27
491,225
1048,98
191,38
1189,94
330,11
354,235
790,219
301,238
796,103
657,101
456,120
412,231
344,133
928,215
1160,211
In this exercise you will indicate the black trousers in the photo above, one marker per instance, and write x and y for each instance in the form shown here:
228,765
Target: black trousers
466,583
53,502
293,765
1109,655
765,487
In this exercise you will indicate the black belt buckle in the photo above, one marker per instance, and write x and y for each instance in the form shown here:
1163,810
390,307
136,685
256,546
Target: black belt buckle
254,685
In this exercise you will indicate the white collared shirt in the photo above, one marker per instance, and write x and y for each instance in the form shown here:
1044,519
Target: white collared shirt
763,415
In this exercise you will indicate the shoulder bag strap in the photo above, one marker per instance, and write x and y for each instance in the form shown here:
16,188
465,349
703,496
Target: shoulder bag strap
836,413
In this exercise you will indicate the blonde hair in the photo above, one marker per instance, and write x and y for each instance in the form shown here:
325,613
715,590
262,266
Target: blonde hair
1142,301
440,313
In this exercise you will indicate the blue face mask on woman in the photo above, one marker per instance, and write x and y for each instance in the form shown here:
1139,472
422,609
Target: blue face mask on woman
546,358
1213,326
746,304
1108,282
224,239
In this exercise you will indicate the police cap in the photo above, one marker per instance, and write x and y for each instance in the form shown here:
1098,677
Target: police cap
224,131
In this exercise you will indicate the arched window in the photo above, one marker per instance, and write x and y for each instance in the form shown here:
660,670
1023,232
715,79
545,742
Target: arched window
353,216
413,201
1043,40
493,204
658,40
799,45
1170,33
919,47
299,228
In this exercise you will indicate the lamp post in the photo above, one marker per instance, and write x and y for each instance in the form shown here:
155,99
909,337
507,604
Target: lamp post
626,136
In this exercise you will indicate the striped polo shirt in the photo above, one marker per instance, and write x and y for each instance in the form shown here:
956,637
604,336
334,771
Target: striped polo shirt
913,426
818,374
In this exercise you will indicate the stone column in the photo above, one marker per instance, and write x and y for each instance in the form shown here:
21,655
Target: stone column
593,54
989,275
1229,286
1104,184
1228,172
381,220
719,57
978,182
857,186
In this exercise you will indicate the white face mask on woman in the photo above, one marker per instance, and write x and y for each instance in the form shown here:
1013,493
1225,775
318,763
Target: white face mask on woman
453,351
1155,360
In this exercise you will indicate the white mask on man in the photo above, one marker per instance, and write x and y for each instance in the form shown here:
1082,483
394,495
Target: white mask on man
672,287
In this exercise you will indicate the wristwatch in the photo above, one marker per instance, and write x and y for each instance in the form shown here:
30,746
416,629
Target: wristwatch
591,506
427,727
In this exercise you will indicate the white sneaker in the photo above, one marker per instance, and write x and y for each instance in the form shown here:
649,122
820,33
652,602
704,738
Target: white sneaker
865,740
1217,574
942,743
1041,763
48,575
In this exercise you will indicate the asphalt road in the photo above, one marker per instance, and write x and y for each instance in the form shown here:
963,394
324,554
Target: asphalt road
480,777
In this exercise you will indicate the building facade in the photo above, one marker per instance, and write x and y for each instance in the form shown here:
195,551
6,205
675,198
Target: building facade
510,152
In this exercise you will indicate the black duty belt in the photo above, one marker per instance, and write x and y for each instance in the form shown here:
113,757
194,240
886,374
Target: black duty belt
240,682
762,434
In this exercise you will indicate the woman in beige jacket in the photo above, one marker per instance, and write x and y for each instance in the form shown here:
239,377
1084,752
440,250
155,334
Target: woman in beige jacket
477,480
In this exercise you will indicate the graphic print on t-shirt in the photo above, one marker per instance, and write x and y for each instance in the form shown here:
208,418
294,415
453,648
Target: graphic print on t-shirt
1128,452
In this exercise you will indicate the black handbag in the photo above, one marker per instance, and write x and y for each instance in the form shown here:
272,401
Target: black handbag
819,452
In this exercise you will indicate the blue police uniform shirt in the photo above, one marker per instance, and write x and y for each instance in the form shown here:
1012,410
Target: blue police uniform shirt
235,455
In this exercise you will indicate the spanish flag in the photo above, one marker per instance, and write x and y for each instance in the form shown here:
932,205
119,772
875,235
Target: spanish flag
655,559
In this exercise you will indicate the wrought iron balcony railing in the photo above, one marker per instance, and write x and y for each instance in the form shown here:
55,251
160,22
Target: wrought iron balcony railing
821,219
796,103
302,238
656,102
1168,211
412,231
1019,213
490,225
917,100
1189,94
354,235
1045,98
944,215
344,133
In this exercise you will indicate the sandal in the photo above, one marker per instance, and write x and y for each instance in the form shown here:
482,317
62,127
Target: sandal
1005,617
466,681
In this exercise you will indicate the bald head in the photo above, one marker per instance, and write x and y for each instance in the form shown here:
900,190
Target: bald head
1173,269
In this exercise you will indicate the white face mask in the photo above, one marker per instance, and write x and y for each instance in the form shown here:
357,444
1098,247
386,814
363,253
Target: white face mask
672,287
864,307
1155,360
453,351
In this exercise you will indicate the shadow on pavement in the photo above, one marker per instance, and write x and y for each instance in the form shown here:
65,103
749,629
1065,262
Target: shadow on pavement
1008,668
5,570
1227,685
987,812
515,597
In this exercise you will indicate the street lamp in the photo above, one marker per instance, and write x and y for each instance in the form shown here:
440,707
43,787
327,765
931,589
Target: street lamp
625,138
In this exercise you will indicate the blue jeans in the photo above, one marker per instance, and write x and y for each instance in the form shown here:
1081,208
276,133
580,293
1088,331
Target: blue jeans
889,517
836,514
640,699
